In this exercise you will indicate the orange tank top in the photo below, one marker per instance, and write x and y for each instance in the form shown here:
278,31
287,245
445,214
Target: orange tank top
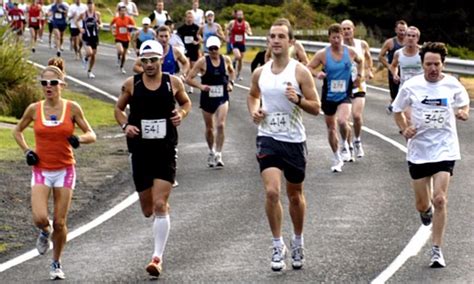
52,146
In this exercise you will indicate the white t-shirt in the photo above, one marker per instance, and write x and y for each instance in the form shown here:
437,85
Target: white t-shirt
198,16
284,119
131,7
74,12
432,114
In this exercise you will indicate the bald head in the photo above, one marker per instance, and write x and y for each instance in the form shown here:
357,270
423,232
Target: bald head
347,22
347,29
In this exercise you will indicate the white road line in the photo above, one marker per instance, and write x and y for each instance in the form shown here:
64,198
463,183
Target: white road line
421,236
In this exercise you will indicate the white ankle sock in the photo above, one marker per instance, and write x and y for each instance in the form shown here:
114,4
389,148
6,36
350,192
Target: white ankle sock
278,242
298,240
161,229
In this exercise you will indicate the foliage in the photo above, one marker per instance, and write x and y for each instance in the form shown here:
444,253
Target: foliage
17,87
257,15
460,52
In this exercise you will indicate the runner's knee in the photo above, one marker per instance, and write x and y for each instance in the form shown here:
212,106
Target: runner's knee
440,201
272,195
59,225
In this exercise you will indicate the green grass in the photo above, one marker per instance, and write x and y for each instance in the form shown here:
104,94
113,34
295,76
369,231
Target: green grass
8,119
98,113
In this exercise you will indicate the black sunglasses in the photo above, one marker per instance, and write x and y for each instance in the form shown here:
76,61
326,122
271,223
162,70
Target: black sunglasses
213,48
53,82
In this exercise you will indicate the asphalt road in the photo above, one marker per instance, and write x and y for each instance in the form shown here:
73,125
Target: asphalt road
357,223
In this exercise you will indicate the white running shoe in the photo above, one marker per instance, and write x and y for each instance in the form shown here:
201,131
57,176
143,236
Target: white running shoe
437,259
56,271
90,75
42,243
123,71
218,160
297,256
337,165
351,154
211,160
84,62
345,154
190,90
175,183
278,258
359,151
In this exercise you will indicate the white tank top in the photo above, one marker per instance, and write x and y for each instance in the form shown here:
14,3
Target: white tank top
409,65
360,52
284,119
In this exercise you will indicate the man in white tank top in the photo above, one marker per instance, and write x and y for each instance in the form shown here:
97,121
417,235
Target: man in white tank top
358,94
279,93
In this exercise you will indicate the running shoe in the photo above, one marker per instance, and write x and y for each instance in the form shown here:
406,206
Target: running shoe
118,62
211,160
123,71
33,50
389,109
337,164
42,242
84,62
345,154
427,216
297,256
154,267
351,154
190,90
175,183
56,271
218,162
58,54
90,75
359,151
437,259
278,258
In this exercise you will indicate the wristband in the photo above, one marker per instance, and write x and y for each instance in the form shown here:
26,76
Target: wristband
299,100
124,126
231,82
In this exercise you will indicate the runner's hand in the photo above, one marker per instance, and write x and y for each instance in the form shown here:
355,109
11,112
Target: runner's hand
321,75
258,116
176,118
131,131
31,158
409,132
290,93
462,115
205,88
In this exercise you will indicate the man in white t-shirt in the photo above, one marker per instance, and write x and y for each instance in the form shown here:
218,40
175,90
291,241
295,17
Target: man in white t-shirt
198,14
436,100
132,9
75,10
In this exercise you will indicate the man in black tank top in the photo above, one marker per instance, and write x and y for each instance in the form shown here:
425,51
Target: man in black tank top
386,56
216,83
152,138
91,23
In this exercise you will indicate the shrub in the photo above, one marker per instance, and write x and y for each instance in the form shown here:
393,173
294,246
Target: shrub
17,76
257,15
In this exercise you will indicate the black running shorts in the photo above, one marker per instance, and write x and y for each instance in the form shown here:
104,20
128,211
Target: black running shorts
418,171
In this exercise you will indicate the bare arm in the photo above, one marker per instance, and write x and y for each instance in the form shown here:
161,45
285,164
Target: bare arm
119,110
182,99
248,29
316,61
199,67
137,67
310,102
394,68
25,120
301,53
230,73
185,65
220,33
368,63
253,99
462,113
406,130
383,51
81,121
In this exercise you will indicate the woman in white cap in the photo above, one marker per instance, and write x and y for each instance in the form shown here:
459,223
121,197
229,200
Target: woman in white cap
210,28
143,35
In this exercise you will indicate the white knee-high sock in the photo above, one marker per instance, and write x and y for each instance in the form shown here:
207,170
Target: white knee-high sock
161,229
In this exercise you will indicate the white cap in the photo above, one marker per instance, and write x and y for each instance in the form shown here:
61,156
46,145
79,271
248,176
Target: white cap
213,41
209,12
146,21
151,46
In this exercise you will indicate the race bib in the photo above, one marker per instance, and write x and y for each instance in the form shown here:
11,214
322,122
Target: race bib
188,39
216,91
34,19
410,71
239,38
277,122
16,18
123,30
338,86
58,16
434,118
154,129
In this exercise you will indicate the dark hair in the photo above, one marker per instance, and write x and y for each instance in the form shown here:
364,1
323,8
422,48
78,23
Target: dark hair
400,22
334,29
164,29
433,47
285,22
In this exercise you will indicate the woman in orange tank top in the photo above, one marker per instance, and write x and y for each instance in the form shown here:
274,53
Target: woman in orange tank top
53,160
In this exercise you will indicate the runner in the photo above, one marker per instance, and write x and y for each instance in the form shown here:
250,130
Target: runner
192,40
358,94
210,28
216,83
386,56
91,23
175,39
35,14
173,59
48,18
198,14
279,91
24,8
407,61
123,24
75,10
54,120
58,13
337,88
238,29
15,16
144,34
437,100
132,9
151,131
159,16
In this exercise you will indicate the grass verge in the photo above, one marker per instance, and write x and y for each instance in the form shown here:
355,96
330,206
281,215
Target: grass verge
98,113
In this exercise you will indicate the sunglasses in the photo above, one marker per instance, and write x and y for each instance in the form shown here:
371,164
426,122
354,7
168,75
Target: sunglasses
213,48
146,60
53,82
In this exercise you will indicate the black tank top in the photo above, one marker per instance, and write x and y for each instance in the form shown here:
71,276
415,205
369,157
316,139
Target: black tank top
90,25
391,52
151,105
215,75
